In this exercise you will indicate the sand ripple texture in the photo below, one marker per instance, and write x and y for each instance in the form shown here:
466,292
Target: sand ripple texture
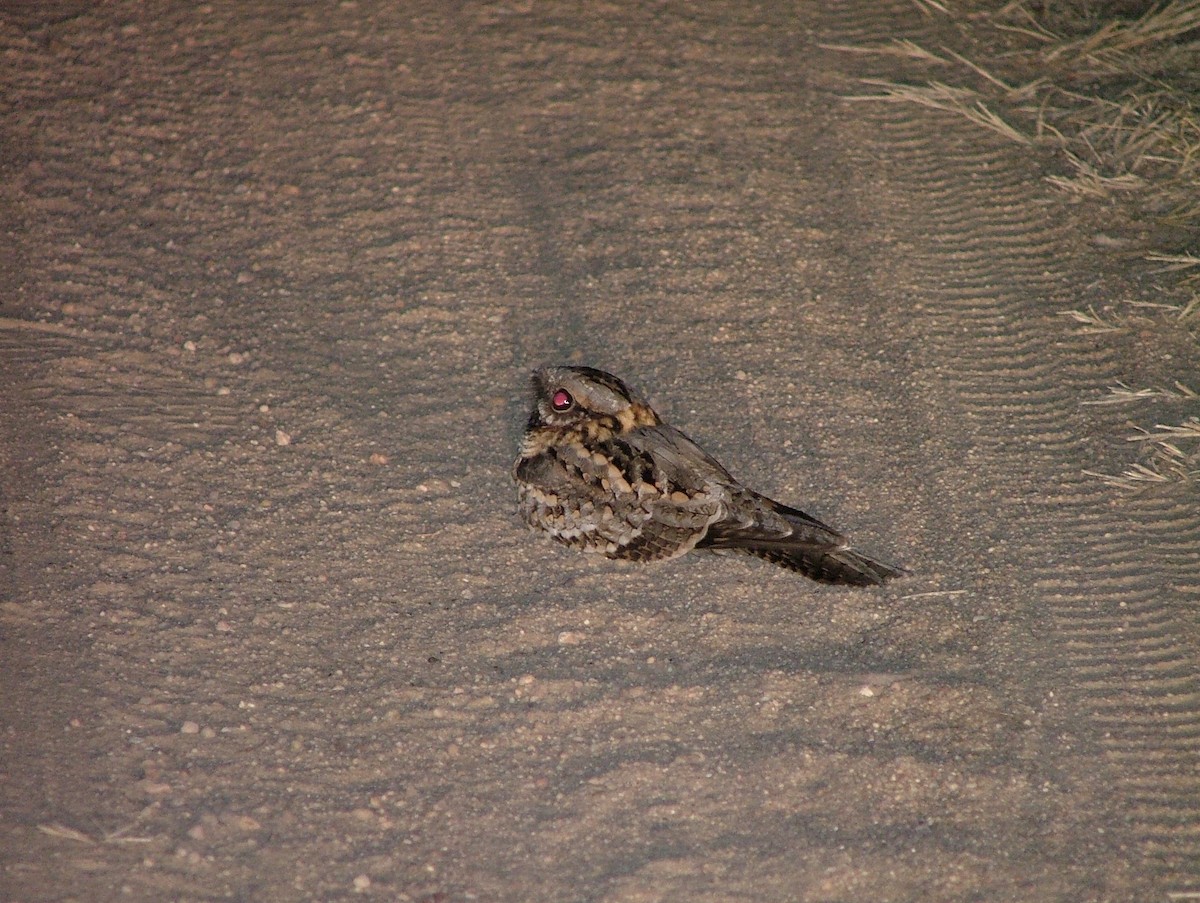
273,279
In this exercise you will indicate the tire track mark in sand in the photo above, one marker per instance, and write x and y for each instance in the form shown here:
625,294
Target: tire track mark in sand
1108,586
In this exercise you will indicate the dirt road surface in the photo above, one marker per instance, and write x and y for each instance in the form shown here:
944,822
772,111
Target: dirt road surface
273,279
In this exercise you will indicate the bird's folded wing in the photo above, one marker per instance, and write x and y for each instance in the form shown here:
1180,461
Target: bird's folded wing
684,463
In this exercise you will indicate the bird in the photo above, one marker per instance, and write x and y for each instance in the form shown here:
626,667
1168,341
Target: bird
599,470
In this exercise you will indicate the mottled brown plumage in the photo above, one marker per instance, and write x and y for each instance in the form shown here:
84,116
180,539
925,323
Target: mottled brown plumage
600,471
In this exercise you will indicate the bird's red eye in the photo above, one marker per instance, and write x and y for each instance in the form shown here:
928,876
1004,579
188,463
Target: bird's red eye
562,401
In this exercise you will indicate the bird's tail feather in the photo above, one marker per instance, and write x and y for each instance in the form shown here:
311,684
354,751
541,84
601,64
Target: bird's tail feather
810,547
828,564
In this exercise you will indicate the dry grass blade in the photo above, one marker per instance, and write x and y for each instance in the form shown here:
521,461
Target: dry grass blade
939,96
65,833
1189,429
1012,93
1175,464
913,50
1121,393
929,7
123,836
1181,312
1150,305
1091,320
1168,462
36,326
1110,48
1136,477
980,114
899,47
1032,28
1088,182
1132,132
1175,261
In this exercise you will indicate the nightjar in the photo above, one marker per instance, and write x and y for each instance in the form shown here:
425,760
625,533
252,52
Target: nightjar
600,471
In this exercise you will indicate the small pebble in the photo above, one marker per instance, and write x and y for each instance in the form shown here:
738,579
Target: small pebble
189,727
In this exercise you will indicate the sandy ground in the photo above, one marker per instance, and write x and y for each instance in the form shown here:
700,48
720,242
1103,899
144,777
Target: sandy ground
273,279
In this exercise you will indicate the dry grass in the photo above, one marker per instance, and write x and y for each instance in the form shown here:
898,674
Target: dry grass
1176,262
1121,394
36,326
1172,455
940,96
1116,99
63,832
1089,182
1168,461
1135,477
1091,321
931,7
1126,46
1191,310
898,47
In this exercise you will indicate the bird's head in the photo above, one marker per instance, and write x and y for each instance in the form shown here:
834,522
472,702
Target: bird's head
586,399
